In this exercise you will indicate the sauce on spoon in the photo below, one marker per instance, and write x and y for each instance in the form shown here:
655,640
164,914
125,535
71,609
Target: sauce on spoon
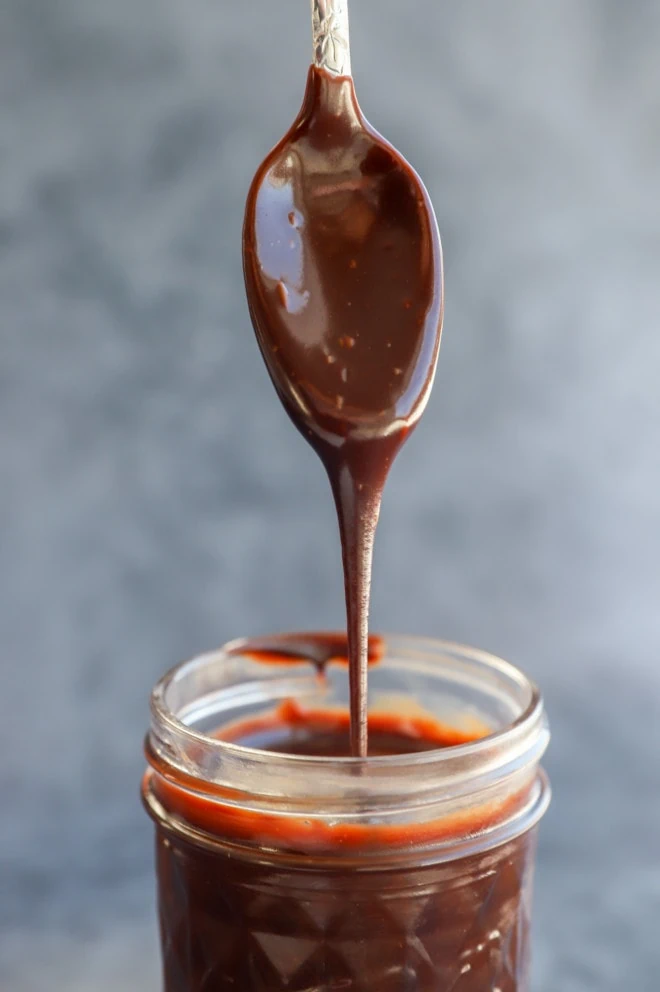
343,272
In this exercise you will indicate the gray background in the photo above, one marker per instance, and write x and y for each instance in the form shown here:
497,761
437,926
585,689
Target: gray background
155,501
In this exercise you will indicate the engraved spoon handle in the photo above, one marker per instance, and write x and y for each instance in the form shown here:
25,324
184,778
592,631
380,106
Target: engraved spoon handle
330,34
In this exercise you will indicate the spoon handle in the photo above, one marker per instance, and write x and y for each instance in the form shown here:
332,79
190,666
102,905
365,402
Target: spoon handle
330,34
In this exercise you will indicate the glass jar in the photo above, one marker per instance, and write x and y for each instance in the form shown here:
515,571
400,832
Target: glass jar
400,873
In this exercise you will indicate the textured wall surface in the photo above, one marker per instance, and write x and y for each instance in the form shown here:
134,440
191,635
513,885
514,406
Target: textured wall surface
155,501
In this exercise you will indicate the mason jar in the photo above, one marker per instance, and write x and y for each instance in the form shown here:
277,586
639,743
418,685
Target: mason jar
293,872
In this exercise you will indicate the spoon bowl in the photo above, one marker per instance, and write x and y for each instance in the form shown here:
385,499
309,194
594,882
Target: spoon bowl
343,271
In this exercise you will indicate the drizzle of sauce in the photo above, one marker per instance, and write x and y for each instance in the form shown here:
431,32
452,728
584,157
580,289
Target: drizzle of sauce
318,649
343,273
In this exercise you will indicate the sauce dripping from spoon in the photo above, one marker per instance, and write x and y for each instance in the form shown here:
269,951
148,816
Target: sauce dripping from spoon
343,273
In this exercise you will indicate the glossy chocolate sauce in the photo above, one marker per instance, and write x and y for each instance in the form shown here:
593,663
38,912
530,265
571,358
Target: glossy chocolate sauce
318,649
343,273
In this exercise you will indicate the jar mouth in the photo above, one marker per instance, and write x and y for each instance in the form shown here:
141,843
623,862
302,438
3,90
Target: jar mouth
191,694
480,793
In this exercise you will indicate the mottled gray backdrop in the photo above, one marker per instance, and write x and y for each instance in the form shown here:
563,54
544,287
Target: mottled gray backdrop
154,500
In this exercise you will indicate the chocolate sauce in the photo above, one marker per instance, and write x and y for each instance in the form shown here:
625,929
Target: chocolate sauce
318,649
343,272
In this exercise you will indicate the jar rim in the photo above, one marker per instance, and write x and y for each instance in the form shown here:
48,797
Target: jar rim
530,719
483,791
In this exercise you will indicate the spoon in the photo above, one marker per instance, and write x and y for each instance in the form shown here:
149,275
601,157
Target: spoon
343,273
